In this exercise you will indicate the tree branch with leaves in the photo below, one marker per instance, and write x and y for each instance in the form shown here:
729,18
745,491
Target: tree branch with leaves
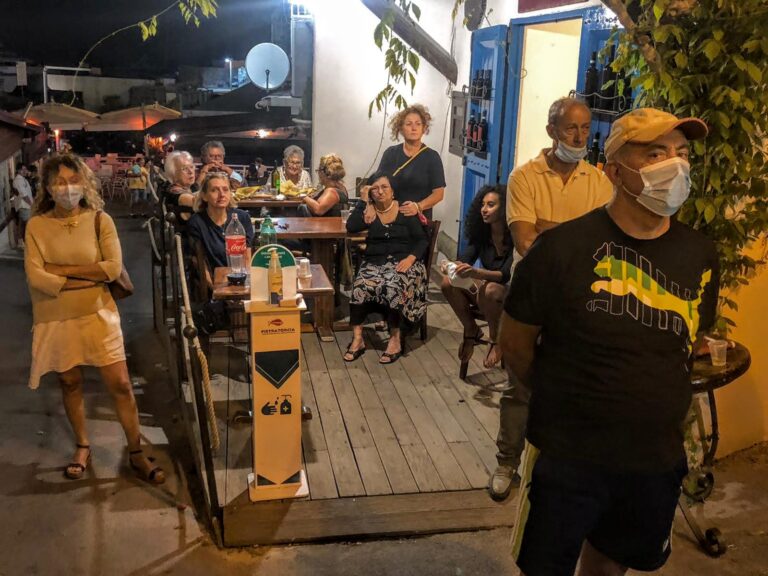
711,62
400,61
191,11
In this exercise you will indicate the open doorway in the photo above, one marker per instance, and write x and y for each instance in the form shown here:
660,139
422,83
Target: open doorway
549,70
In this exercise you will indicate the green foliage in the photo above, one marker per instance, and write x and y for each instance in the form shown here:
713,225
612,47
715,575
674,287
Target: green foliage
190,11
400,61
713,64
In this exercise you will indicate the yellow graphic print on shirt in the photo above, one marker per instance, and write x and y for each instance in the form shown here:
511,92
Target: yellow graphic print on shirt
624,278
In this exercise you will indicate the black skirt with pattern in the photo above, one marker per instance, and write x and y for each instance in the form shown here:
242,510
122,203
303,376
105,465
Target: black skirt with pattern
405,292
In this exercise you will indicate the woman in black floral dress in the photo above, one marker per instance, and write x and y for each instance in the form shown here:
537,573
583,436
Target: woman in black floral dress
392,279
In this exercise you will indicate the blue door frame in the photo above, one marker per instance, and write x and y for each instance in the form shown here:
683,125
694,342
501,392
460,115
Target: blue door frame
516,37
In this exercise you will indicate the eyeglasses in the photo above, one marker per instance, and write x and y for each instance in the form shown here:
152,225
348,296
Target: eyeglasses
188,169
294,163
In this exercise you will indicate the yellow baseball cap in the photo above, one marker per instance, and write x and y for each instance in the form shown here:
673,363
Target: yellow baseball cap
644,125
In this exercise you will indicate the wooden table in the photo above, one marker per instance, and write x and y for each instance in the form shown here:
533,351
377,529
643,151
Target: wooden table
259,203
321,231
319,288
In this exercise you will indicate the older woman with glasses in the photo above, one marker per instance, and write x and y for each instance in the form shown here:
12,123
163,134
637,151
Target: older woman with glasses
392,279
293,168
179,199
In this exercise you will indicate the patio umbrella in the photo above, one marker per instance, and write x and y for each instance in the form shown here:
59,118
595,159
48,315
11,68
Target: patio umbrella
61,116
132,119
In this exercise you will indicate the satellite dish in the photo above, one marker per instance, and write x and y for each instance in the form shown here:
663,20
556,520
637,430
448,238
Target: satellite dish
267,66
474,10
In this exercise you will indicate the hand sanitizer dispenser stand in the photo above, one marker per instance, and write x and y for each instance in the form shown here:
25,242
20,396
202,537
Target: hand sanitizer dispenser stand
276,379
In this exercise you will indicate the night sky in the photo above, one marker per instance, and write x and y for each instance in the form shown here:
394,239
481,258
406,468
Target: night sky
59,32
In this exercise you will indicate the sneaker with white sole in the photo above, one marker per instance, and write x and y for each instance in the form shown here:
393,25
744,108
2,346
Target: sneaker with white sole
501,483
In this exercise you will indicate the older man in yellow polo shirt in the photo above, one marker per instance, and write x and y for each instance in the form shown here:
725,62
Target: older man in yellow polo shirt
556,186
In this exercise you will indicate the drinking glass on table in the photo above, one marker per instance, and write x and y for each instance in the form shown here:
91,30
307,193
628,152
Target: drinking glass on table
344,216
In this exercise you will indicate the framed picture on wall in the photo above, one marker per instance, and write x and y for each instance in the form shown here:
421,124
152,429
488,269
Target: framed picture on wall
531,5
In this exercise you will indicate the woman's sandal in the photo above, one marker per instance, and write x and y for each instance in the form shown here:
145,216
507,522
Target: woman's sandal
75,470
476,339
155,476
355,353
392,358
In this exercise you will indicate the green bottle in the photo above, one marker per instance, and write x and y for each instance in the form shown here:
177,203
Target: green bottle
267,234
276,180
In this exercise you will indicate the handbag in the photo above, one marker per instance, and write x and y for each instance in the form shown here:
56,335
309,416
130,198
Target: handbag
121,287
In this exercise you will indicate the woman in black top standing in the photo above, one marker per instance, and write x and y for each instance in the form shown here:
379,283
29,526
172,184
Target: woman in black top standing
392,278
490,242
417,170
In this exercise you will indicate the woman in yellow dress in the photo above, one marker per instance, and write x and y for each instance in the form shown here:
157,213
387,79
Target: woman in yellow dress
76,322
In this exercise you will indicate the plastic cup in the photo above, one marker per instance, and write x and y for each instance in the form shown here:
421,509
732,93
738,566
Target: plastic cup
304,270
717,351
344,216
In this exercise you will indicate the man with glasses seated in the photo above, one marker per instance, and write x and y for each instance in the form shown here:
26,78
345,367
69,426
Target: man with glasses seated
212,158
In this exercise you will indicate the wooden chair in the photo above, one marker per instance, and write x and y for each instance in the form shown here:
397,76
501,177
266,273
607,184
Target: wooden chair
433,232
477,315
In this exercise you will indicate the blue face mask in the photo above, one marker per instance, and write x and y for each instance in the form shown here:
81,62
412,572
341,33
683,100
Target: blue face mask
667,185
569,154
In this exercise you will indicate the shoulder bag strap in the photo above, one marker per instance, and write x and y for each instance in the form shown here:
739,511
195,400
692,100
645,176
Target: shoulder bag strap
400,169
97,226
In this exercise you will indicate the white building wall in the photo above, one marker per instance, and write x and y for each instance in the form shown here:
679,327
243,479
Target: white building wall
349,71
95,88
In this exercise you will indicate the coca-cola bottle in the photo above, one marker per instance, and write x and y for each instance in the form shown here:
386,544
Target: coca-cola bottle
234,236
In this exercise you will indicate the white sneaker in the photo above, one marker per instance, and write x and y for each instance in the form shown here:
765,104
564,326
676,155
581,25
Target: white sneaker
501,483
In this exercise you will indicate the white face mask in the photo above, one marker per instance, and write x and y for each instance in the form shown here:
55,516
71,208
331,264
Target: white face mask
67,197
667,185
569,154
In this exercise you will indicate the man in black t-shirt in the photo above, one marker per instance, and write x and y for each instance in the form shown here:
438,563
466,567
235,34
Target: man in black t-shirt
601,321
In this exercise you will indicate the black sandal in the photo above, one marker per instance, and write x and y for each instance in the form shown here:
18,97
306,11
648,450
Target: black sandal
355,354
155,476
75,470
392,357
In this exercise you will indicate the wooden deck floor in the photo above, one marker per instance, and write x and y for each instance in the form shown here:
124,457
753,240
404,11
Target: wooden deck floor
399,449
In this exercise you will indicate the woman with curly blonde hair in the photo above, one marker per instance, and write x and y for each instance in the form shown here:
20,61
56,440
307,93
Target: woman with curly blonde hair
417,170
328,201
73,251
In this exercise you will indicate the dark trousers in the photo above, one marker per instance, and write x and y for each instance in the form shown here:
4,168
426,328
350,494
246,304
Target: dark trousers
513,418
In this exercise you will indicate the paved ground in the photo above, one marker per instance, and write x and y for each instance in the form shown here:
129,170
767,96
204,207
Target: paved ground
111,524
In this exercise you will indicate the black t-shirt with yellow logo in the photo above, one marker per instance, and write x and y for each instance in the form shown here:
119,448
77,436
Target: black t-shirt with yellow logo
611,373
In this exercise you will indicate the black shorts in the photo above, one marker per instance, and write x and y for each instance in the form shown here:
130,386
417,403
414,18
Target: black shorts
625,516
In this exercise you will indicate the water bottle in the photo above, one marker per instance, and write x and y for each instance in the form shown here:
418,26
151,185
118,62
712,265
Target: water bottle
234,237
267,234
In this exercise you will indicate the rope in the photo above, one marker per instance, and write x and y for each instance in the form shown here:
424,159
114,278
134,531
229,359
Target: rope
148,226
214,429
